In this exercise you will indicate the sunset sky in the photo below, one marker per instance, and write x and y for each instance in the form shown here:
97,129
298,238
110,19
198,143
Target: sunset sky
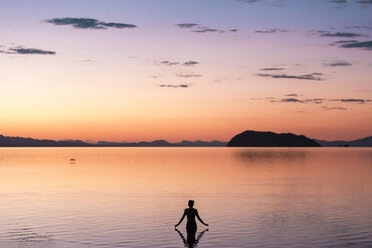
133,70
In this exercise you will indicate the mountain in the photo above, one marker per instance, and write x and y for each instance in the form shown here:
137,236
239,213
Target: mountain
364,142
29,142
163,143
155,143
245,139
270,139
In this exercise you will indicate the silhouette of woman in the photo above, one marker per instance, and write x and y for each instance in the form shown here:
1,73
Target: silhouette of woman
191,227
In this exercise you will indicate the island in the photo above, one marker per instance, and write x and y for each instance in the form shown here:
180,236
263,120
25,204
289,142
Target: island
270,139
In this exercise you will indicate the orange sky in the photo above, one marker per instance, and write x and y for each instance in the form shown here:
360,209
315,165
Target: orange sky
160,80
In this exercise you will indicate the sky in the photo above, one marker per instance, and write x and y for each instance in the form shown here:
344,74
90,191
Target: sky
133,70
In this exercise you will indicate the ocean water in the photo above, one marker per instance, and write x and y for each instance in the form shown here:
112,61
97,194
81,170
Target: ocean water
133,197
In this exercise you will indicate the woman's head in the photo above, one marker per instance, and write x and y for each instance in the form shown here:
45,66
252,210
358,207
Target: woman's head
191,203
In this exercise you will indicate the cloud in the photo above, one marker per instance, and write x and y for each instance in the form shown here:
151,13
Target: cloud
312,76
338,1
315,100
360,27
271,31
352,100
197,28
334,108
291,100
84,61
339,34
175,85
367,45
206,30
88,23
365,1
248,1
338,63
275,3
168,63
24,51
187,25
295,99
345,41
172,63
279,3
292,95
189,75
272,69
190,63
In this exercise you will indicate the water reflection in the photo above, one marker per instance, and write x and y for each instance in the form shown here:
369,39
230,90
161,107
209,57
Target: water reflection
191,241
272,155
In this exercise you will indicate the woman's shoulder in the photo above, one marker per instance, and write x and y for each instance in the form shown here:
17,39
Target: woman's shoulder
191,210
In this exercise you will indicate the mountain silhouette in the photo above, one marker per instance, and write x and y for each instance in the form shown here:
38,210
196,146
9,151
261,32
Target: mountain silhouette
245,139
6,141
29,142
164,143
364,142
270,139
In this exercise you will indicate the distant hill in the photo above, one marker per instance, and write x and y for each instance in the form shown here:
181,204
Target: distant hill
245,139
29,142
364,142
163,143
270,139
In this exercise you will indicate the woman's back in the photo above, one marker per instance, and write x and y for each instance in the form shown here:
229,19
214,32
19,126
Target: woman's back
191,213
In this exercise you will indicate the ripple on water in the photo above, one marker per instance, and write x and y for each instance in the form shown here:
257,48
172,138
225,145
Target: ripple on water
133,197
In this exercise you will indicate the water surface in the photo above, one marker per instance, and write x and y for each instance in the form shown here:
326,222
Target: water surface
133,197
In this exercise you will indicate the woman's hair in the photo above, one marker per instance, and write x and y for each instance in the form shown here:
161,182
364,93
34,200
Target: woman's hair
191,203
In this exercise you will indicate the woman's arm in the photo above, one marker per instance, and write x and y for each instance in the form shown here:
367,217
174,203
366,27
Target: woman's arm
197,215
183,216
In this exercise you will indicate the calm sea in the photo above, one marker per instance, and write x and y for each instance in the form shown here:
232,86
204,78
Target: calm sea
133,197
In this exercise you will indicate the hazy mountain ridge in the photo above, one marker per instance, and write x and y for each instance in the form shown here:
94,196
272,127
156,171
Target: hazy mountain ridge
6,141
164,143
363,142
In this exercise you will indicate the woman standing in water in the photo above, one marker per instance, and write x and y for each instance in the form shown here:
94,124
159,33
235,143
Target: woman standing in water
191,227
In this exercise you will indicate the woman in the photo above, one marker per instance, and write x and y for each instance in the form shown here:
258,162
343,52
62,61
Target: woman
191,227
